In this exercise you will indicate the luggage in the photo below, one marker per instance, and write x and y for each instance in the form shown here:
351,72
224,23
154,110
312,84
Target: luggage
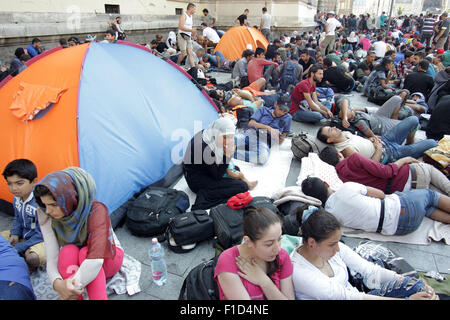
150,213
199,284
189,228
302,144
228,222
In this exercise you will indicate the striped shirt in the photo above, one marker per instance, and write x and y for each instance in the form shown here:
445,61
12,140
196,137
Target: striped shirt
428,24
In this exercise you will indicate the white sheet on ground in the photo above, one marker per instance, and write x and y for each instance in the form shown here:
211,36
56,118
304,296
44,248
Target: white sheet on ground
271,176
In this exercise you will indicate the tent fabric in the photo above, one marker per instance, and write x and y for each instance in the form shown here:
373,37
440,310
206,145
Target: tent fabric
236,40
51,141
126,117
32,98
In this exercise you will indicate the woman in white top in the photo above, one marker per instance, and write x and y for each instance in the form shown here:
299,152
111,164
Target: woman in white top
320,266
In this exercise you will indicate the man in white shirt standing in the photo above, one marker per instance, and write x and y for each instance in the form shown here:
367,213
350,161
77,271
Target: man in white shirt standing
264,26
332,23
186,32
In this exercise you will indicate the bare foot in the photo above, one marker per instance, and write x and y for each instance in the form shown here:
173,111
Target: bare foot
252,185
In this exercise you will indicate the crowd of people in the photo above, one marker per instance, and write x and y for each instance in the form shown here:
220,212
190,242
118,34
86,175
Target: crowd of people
403,67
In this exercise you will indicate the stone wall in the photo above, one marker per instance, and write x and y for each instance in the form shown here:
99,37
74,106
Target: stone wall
17,29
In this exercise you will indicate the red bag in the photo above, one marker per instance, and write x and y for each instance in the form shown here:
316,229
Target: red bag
240,200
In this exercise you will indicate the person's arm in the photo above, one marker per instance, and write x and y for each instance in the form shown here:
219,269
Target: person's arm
88,271
253,273
378,149
436,39
65,288
273,132
375,193
34,239
17,229
322,109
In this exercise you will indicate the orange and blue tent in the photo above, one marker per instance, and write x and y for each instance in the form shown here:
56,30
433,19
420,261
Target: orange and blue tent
115,110
239,38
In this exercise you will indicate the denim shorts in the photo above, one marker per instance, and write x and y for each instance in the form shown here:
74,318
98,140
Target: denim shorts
415,205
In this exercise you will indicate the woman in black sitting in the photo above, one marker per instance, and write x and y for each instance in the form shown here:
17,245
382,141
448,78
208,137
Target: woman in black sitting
205,164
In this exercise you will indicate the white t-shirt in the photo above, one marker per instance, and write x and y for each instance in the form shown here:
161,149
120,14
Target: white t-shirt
311,283
379,48
354,209
211,35
266,19
360,144
332,24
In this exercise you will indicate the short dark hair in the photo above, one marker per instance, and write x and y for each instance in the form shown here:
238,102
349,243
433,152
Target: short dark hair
420,54
424,64
389,52
304,51
36,40
247,53
322,137
316,188
329,154
327,62
314,68
23,168
408,53
259,50
190,5
111,32
204,24
264,9
205,10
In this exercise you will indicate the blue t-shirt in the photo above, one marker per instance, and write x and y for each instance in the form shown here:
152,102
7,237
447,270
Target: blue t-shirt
32,51
264,116
12,266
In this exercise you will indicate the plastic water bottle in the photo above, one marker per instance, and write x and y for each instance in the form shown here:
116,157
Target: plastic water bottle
158,264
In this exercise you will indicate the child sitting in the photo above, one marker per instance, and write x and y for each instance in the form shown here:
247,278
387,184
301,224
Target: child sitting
234,173
25,234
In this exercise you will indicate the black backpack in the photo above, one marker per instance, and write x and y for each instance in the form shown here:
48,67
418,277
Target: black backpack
199,283
150,213
228,222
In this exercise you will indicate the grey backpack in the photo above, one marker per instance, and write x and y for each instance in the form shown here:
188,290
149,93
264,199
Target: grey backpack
302,144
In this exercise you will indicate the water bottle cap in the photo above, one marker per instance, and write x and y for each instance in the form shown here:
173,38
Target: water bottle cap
154,240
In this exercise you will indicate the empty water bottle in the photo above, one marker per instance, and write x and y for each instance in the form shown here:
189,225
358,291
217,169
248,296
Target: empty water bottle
158,264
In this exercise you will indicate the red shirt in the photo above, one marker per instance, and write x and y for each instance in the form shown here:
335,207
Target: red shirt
303,86
358,168
255,68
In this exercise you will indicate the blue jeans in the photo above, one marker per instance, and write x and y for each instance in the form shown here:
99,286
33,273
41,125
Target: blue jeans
394,138
399,288
270,99
212,59
252,146
310,116
16,291
415,205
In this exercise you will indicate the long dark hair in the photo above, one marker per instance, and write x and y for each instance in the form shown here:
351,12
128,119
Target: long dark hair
255,222
320,225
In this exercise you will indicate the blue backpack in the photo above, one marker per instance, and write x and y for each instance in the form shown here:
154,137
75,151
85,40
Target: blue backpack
288,76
